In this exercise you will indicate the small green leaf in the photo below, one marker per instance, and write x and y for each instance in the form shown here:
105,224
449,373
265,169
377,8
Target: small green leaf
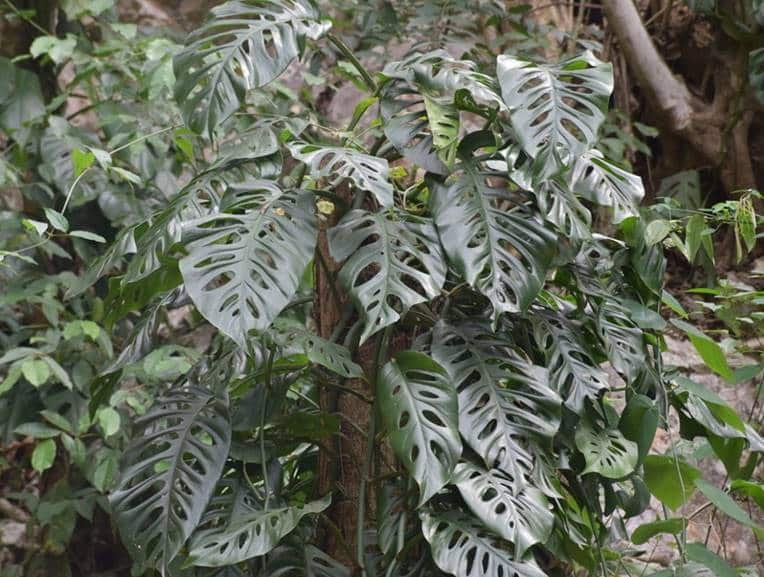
14,374
36,371
670,480
102,156
696,225
57,420
105,473
82,160
36,430
656,231
606,452
59,49
711,353
700,554
127,175
43,455
727,505
754,490
59,373
57,220
84,234
76,449
35,225
109,420
645,532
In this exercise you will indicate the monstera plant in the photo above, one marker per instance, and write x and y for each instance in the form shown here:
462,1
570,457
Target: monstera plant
434,263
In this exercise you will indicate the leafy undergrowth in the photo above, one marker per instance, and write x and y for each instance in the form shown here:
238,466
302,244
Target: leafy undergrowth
172,401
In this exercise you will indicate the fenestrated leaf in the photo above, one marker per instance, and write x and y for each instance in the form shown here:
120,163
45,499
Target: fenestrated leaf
572,371
237,527
169,472
417,105
155,237
606,451
556,109
503,254
599,180
420,412
623,340
520,515
394,261
330,355
462,546
245,262
503,399
563,208
243,46
369,173
303,561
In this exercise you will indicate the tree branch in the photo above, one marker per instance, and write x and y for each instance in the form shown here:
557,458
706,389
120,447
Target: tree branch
664,90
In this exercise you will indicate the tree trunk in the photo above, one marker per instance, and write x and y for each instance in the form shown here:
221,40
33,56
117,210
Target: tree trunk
341,464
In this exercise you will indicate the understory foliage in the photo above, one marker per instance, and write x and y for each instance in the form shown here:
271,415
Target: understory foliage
459,205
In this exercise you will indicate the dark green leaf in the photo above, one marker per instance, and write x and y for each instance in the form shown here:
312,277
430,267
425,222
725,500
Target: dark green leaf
244,263
393,262
516,512
670,480
462,546
236,527
368,173
606,452
645,532
419,409
503,254
556,109
243,46
169,472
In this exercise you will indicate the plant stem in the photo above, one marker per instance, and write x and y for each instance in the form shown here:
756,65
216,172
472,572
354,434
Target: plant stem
25,18
347,53
263,412
380,353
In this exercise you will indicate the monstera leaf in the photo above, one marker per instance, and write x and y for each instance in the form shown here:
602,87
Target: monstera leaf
606,451
244,263
169,472
623,340
462,546
300,560
369,173
418,106
154,238
503,254
394,261
237,527
244,45
503,399
556,109
521,516
562,208
419,408
601,181
328,354
572,371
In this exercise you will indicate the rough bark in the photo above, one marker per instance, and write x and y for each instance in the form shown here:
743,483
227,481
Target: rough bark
340,463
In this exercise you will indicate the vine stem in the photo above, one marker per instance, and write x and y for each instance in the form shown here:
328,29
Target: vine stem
347,53
77,180
25,18
379,355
